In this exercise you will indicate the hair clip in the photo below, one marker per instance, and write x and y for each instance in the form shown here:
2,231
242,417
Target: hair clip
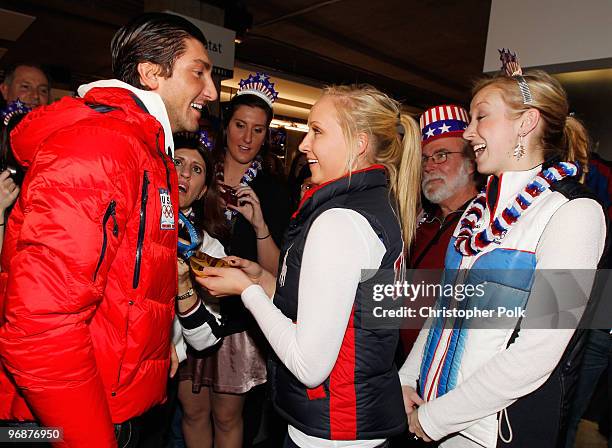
205,140
258,84
14,108
512,68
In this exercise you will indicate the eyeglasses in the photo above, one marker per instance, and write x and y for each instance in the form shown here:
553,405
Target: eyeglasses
438,157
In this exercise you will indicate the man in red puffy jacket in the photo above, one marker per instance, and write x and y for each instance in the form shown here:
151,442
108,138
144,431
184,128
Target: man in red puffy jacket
89,261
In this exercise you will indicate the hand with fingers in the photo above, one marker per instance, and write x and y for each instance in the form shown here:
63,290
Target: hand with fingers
184,279
250,268
412,401
250,207
221,282
414,426
174,361
8,191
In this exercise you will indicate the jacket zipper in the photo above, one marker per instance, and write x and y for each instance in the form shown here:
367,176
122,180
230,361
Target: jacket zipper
163,157
127,324
141,228
110,212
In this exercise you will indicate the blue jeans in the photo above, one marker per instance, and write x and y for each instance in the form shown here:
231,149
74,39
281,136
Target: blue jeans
597,356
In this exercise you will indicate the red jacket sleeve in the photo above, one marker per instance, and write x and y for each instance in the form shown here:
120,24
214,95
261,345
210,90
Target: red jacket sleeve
51,296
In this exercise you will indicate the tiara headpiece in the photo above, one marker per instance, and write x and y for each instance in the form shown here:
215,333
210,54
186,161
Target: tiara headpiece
16,107
258,84
205,140
512,68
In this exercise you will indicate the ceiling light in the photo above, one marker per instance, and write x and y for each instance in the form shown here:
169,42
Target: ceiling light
300,127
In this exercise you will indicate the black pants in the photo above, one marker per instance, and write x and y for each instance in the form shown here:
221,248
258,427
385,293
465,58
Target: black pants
128,433
155,424
291,444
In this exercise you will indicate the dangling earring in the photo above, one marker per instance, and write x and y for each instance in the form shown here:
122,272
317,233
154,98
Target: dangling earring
519,149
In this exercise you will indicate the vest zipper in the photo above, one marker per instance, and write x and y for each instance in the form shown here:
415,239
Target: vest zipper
110,212
141,228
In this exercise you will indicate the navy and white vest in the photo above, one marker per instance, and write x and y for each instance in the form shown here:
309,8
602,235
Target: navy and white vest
361,399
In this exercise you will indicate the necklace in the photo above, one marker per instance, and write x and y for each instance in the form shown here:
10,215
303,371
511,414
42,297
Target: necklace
470,242
248,177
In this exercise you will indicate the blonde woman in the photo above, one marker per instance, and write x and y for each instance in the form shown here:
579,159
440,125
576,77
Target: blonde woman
333,380
508,387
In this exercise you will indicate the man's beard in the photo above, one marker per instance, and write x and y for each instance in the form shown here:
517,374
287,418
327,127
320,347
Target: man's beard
447,188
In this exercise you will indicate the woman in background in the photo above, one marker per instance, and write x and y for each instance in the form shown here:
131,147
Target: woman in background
256,223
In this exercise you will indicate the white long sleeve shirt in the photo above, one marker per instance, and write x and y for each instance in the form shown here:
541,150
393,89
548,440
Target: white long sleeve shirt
202,336
573,239
340,244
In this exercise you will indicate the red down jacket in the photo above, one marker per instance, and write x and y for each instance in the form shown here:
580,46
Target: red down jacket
89,268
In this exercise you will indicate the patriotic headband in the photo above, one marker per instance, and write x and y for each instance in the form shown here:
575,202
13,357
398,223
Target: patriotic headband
14,108
443,121
205,140
511,67
258,84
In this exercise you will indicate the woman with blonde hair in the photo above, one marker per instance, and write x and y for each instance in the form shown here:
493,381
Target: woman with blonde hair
508,386
332,378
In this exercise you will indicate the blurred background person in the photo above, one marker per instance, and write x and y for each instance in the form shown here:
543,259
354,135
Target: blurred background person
28,83
11,173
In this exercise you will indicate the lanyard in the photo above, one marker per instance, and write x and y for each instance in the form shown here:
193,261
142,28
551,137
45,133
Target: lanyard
187,250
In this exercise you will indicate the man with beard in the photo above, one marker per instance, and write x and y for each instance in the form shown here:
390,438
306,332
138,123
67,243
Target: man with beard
449,183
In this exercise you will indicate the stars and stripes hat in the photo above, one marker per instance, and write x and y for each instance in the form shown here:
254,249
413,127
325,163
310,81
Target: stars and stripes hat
443,121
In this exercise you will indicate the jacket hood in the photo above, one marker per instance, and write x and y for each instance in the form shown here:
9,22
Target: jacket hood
44,121
151,100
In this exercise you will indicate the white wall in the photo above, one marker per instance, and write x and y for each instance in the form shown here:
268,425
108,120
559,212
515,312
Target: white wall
569,35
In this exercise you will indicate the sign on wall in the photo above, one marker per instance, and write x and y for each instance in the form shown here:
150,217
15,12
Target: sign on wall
221,45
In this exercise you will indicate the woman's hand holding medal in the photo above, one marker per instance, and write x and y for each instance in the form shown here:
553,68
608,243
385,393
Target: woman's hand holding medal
224,281
236,276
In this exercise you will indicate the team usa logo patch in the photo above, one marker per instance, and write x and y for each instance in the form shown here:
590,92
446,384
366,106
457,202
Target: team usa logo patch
167,212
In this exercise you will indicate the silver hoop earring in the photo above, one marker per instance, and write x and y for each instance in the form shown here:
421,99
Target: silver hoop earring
519,149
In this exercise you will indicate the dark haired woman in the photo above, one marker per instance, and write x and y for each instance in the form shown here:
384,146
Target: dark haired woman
201,223
256,226
197,322
260,219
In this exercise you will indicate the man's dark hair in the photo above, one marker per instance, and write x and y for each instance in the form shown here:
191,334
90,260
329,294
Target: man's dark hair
155,37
